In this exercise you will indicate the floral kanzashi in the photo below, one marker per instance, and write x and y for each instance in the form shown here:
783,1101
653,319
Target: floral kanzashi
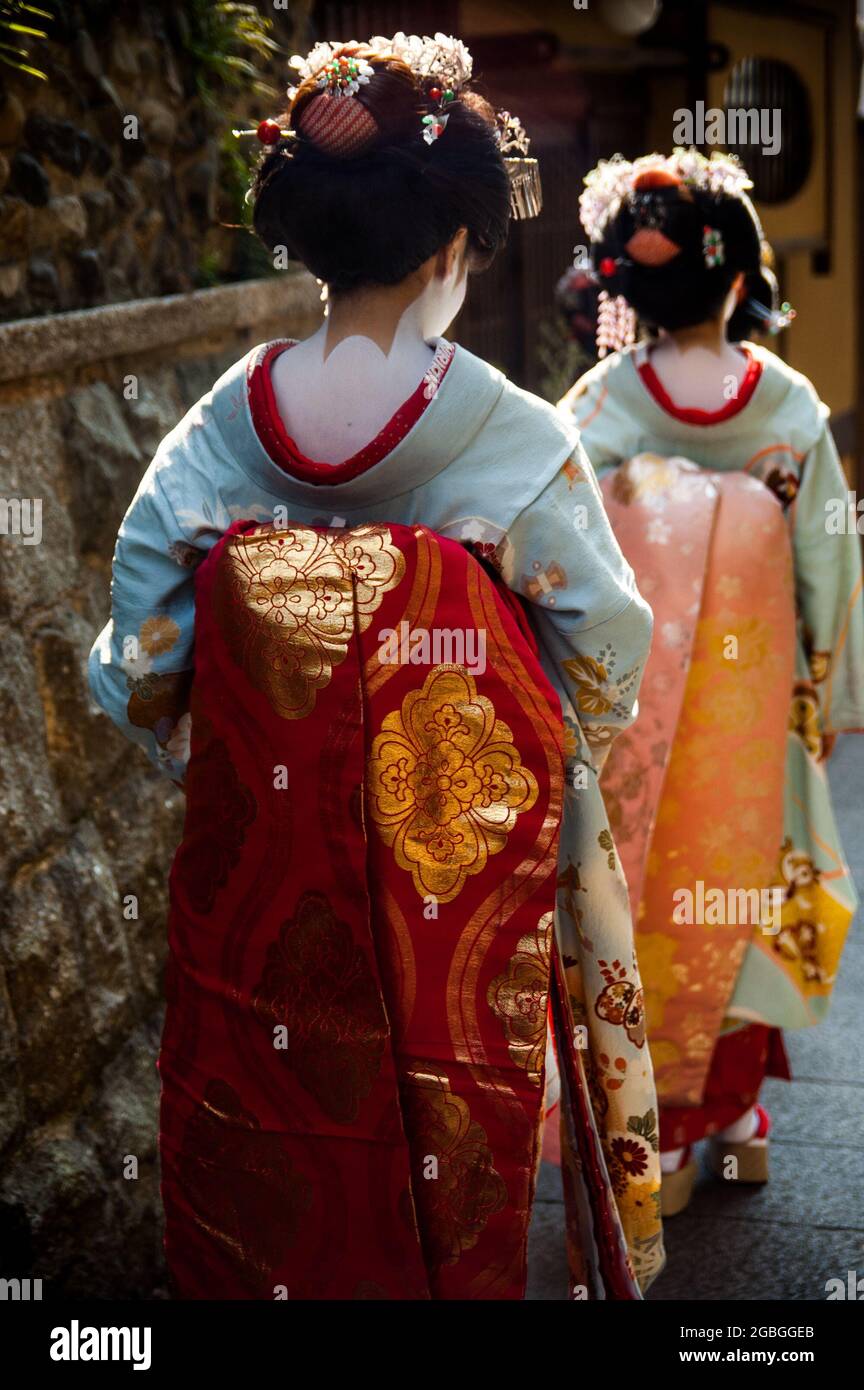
455,1207
320,987
518,998
302,594
446,783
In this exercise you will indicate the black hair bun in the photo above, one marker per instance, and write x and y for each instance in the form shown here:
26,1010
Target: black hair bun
676,250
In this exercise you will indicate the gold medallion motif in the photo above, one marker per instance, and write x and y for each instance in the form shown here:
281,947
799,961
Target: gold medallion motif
446,783
240,1186
319,985
519,999
303,593
454,1207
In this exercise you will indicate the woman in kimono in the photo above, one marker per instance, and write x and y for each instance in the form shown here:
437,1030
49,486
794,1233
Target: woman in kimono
362,955
724,488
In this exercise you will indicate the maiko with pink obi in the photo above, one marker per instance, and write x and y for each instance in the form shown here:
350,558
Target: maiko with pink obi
718,470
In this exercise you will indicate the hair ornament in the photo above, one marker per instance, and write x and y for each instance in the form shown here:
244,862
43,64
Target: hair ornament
442,65
345,74
774,320
617,179
616,323
442,61
322,56
434,126
526,190
713,250
268,132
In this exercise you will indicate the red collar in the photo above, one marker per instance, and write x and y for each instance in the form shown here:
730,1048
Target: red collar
691,415
270,427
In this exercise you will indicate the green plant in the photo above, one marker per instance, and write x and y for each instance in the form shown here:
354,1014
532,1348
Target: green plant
13,13
212,31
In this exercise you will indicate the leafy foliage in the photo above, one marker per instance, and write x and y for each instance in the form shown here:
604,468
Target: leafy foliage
215,33
17,29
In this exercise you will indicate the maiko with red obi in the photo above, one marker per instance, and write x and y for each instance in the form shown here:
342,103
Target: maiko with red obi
368,608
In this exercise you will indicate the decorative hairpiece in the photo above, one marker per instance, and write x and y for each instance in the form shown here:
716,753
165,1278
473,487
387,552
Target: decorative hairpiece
526,191
441,59
772,319
616,323
442,65
345,74
322,56
713,249
607,186
338,123
268,132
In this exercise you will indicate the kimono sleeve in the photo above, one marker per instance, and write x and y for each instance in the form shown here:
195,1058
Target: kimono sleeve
827,557
593,625
140,667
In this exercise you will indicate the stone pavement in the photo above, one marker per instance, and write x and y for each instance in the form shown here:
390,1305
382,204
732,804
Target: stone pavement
784,1240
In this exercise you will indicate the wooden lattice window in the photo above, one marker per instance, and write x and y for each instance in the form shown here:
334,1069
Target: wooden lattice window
765,85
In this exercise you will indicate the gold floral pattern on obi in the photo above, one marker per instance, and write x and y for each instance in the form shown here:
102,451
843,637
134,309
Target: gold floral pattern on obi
303,592
519,997
319,987
241,1186
455,1205
446,783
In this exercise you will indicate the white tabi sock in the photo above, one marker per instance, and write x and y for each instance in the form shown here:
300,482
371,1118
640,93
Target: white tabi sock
741,1129
670,1161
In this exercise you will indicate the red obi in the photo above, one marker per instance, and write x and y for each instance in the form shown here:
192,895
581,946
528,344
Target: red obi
361,928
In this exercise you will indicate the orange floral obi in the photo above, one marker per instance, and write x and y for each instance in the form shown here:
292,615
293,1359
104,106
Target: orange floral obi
361,928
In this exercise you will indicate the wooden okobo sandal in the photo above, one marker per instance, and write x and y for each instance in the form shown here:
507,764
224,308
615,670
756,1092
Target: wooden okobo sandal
750,1159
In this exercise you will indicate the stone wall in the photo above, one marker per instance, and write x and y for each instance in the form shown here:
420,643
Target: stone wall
119,177
84,821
